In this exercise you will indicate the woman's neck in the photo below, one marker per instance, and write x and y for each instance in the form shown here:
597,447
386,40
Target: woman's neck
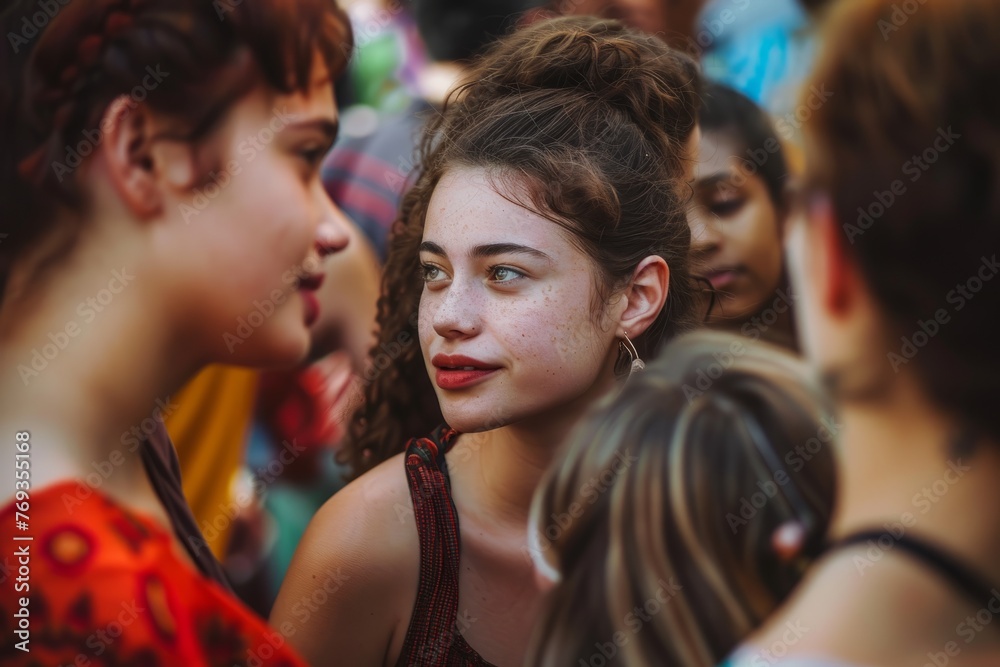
510,460
900,473
88,356
767,324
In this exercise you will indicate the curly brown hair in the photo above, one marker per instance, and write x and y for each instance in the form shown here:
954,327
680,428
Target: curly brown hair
591,119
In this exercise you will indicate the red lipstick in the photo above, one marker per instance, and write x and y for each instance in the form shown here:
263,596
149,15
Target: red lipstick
312,307
307,288
456,371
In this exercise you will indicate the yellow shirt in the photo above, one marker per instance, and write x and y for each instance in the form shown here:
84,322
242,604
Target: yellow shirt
209,428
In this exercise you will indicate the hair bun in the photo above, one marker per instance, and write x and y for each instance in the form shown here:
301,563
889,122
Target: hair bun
631,71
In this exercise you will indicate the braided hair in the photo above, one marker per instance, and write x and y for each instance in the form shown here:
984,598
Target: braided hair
189,60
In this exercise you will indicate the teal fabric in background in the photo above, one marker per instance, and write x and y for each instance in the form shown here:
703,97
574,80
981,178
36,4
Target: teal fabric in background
762,48
767,658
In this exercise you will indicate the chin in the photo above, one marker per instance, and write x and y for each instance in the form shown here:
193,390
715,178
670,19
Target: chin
275,351
471,418
731,312
463,422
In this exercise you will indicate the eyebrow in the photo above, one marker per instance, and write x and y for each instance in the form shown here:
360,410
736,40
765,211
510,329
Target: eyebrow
329,127
489,250
713,179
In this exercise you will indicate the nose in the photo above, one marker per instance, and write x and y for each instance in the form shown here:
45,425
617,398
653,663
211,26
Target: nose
455,311
333,231
705,236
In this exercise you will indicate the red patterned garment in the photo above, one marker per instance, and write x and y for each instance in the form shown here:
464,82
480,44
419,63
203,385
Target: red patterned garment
105,587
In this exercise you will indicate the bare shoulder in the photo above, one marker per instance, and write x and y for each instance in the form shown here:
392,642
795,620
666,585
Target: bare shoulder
862,607
373,515
351,585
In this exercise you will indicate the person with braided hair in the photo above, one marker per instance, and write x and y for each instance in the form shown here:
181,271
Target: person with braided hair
162,210
541,251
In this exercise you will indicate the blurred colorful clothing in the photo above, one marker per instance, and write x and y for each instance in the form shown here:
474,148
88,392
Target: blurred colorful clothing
764,49
209,430
388,56
107,585
368,175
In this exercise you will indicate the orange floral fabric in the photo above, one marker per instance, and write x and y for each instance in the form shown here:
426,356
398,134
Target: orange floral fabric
105,587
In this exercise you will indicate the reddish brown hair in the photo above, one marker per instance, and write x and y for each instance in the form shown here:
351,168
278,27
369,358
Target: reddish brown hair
58,80
905,84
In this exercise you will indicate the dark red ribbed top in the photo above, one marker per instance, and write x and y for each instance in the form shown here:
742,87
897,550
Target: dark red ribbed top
433,640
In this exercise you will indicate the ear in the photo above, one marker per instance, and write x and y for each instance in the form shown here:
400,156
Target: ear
836,272
139,166
646,296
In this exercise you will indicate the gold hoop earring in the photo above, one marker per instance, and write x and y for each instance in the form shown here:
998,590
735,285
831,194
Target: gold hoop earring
636,363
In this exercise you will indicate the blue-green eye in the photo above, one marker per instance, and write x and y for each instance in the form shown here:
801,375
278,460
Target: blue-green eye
431,273
504,274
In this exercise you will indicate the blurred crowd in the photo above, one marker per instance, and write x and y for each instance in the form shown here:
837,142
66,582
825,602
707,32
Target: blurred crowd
545,332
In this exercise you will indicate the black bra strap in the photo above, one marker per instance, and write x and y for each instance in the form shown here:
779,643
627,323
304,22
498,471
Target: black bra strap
967,580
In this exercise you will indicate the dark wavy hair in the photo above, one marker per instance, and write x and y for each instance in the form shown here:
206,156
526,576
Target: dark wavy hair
590,121
66,64
732,114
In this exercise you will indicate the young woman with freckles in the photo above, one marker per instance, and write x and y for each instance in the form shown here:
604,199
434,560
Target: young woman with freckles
112,577
542,250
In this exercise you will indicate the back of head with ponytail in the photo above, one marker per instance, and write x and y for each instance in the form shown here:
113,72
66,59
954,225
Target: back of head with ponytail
587,123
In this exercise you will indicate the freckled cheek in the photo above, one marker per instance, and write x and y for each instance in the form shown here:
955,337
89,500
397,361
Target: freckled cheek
553,331
425,323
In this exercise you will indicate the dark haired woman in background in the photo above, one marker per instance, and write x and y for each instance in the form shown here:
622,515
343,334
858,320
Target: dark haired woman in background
901,316
191,195
737,217
547,227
